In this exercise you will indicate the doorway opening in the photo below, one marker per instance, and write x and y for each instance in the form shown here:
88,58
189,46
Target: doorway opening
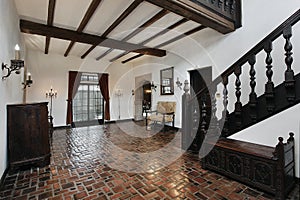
143,96
147,96
88,103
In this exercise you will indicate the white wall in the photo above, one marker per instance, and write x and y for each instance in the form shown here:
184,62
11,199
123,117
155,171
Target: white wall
11,88
52,70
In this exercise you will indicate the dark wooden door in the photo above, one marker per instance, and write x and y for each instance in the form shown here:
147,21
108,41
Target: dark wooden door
28,136
200,79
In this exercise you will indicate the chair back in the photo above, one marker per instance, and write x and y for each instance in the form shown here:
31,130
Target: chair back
166,106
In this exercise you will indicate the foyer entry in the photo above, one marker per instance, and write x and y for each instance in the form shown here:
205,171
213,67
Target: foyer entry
143,95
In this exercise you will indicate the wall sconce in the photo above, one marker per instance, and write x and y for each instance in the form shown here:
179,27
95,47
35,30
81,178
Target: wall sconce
15,65
28,81
178,83
153,87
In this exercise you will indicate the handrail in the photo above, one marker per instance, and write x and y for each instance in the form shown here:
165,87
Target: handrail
293,19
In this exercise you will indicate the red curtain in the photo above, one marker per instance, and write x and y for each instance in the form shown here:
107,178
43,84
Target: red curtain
74,82
103,83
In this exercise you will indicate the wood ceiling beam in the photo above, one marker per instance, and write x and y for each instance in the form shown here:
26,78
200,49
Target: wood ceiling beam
129,10
148,23
204,17
199,28
153,37
88,15
51,10
66,34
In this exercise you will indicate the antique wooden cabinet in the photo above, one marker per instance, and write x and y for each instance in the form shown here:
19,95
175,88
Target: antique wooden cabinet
28,136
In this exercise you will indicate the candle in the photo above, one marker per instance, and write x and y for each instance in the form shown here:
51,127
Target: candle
17,52
28,76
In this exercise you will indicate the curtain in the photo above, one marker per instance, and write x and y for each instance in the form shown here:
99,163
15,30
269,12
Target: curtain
103,83
74,82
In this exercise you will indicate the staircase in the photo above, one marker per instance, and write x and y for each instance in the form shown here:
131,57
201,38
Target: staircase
199,111
265,168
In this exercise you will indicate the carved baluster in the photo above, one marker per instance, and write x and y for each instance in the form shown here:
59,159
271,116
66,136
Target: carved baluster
289,81
269,87
213,92
238,104
203,126
196,116
232,7
212,1
226,5
186,117
220,3
214,122
253,95
225,112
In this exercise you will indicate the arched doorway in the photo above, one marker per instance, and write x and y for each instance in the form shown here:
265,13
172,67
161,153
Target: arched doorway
142,92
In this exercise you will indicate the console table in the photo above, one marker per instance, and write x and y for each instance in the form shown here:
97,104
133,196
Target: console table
28,136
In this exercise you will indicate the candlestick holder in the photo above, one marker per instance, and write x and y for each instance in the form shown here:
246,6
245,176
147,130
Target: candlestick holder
51,94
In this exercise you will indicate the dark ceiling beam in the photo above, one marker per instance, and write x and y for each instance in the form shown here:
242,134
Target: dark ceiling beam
88,15
135,4
148,23
153,37
51,10
204,17
65,34
188,33
199,28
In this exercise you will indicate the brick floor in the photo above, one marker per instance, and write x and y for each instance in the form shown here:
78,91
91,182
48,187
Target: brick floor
82,167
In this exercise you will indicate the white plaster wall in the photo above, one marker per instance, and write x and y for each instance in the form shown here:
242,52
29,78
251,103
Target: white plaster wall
10,89
268,131
52,70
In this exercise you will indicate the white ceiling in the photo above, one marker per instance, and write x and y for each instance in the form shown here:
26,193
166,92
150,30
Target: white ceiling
69,13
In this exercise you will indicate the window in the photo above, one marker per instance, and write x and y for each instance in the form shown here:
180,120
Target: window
88,104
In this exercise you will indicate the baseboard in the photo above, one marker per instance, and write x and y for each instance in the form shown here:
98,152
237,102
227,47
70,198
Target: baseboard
119,120
171,127
3,177
61,127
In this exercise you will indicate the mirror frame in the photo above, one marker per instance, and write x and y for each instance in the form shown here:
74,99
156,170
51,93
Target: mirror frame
167,82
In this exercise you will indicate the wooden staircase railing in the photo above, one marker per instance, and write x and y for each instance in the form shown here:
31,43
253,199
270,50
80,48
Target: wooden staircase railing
199,110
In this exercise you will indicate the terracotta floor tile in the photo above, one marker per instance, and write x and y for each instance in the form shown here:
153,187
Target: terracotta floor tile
79,169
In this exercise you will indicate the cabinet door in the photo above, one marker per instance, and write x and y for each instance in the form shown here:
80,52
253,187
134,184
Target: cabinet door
28,140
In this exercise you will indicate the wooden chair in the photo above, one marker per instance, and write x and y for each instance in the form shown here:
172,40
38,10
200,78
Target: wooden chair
164,113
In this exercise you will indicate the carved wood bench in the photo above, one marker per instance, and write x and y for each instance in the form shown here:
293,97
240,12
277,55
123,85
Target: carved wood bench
270,169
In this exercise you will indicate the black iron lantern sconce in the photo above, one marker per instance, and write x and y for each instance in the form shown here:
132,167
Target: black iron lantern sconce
153,87
28,81
15,64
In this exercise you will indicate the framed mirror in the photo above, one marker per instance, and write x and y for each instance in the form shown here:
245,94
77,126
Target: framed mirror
167,81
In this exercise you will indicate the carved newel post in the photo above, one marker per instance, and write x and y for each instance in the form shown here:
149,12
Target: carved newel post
185,116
